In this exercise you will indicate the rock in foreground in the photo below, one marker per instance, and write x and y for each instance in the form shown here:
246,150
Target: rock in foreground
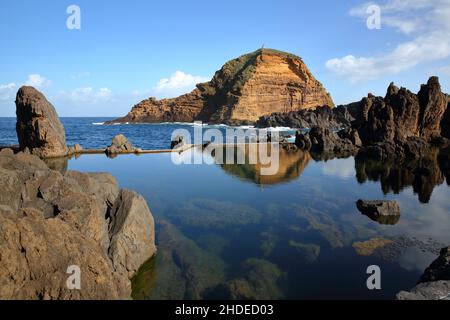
50,221
38,126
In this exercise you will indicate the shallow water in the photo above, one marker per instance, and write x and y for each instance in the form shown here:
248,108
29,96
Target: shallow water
227,231
224,231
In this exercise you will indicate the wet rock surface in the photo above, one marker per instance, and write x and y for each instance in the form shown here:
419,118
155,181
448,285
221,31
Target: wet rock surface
52,220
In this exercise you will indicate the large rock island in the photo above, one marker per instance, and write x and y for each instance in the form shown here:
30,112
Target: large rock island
244,89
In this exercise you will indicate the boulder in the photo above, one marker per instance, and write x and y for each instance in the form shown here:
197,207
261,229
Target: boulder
50,221
38,126
378,209
120,144
132,231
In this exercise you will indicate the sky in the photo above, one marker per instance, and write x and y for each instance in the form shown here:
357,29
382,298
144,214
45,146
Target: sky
116,53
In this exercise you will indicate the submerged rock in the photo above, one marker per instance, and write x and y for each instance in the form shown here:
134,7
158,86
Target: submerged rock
38,127
50,221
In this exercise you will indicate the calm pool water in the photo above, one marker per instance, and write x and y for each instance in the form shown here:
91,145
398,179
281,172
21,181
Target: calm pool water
226,231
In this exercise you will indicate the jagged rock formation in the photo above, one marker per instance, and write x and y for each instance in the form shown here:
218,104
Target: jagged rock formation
38,126
331,118
244,89
50,221
400,125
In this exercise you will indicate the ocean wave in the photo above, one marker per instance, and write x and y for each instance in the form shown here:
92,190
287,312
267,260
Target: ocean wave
98,123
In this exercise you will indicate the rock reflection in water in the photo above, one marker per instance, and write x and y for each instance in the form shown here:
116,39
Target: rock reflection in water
291,166
423,174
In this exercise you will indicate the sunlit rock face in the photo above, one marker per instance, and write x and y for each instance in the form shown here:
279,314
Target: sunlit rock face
290,165
243,90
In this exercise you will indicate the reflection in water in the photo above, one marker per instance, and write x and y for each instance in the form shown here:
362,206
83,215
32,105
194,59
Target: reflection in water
222,238
291,166
422,174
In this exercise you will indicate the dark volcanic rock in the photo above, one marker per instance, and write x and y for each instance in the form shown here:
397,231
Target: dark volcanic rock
51,220
402,124
439,269
380,210
177,142
399,126
434,283
433,105
331,118
323,140
38,126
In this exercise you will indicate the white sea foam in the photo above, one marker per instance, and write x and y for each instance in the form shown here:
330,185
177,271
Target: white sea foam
98,123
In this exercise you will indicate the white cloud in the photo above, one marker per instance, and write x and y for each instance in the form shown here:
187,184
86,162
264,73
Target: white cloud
342,168
177,84
86,95
7,91
37,81
427,22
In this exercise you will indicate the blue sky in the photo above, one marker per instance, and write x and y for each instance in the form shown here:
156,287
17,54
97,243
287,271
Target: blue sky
126,51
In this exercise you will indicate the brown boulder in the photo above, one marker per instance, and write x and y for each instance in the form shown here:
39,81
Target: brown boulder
38,126
50,221
120,144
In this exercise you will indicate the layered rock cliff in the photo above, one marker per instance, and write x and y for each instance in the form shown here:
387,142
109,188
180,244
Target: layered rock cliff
244,89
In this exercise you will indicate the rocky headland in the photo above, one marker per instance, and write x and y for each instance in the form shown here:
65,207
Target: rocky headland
244,89
54,220
401,125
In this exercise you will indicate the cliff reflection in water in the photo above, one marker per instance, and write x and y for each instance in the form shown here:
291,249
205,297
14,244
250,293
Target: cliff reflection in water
291,165
423,174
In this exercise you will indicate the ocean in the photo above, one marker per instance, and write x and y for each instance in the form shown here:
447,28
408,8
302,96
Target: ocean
225,231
